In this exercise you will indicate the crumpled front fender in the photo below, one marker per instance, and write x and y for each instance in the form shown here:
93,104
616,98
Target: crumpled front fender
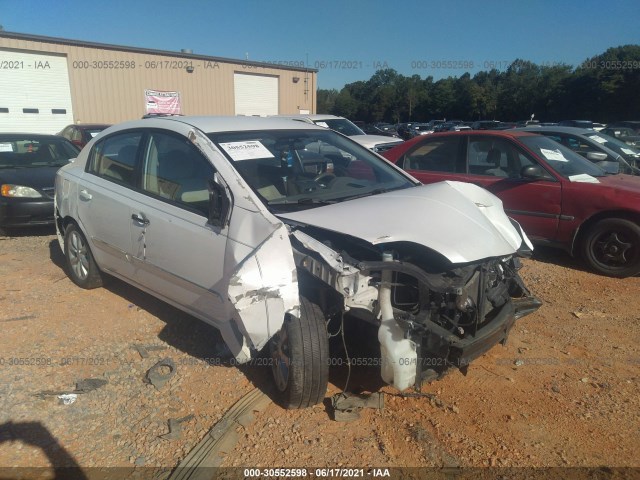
263,289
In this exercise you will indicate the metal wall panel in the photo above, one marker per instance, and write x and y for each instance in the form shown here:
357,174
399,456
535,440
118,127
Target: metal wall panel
108,82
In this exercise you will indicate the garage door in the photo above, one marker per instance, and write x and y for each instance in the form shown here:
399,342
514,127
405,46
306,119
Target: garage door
256,94
35,94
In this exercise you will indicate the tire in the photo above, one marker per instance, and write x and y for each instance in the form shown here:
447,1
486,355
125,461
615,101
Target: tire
612,248
300,358
81,267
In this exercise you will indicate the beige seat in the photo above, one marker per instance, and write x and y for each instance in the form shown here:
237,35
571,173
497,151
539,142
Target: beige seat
493,158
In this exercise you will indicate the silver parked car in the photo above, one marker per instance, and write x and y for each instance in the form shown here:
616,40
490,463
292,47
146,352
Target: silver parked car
376,143
270,230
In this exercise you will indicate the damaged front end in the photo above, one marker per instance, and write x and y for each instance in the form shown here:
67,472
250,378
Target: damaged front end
431,315
447,319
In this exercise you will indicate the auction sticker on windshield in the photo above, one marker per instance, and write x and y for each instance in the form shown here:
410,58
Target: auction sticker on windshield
628,151
584,178
553,155
6,147
249,150
598,139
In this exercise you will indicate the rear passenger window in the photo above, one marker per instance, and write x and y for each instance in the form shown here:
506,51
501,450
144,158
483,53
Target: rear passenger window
114,158
438,155
173,169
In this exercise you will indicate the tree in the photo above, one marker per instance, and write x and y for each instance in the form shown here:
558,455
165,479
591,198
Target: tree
603,88
345,105
326,100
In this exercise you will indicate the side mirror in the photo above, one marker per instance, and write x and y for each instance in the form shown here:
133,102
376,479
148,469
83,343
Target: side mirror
219,203
612,168
532,172
596,156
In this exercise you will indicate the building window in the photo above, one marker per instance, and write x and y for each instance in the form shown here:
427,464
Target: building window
4,110
30,110
62,111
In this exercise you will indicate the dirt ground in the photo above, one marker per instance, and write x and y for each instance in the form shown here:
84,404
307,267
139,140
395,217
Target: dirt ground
564,391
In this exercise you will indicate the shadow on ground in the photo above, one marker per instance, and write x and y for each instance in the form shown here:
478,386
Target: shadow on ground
34,433
558,257
39,231
204,342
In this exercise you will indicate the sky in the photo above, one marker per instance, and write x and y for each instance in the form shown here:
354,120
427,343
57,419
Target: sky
346,40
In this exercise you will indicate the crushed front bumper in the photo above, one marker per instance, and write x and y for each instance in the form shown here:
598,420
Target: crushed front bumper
440,350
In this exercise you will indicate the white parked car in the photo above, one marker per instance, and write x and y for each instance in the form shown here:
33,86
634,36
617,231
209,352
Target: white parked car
270,230
376,143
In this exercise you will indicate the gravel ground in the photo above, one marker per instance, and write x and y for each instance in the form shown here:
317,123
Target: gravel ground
562,392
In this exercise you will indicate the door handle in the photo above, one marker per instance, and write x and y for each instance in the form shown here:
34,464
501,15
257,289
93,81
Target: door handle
85,195
140,219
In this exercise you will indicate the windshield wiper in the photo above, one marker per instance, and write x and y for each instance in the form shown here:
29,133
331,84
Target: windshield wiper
375,191
315,201
304,201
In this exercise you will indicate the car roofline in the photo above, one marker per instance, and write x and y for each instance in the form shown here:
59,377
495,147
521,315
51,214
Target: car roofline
220,123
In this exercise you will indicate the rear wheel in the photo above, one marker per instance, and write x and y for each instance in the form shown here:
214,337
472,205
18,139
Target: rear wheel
612,247
300,354
81,267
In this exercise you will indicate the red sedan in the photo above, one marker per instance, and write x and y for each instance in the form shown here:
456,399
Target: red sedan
559,198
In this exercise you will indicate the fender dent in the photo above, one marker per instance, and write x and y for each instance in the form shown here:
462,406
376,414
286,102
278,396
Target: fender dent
264,288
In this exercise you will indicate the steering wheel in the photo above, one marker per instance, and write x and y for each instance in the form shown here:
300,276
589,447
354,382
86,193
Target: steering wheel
328,176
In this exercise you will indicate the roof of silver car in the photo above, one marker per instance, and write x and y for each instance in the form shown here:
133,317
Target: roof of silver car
212,124
314,117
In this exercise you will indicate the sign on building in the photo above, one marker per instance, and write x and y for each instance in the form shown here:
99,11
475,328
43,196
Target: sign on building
162,102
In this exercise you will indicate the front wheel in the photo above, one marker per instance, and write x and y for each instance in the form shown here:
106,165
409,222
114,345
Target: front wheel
81,267
612,247
300,354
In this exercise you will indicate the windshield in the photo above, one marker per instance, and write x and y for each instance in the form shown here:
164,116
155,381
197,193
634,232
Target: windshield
563,160
614,144
33,152
290,168
341,125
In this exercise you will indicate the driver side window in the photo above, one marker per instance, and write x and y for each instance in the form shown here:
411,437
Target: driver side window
497,157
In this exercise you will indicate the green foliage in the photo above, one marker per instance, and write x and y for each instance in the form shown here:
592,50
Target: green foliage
326,100
603,88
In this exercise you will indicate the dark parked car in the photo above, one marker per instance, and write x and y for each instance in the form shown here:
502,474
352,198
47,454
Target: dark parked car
633,124
559,198
447,126
385,129
505,126
404,130
595,146
485,125
28,165
624,134
80,135
576,123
